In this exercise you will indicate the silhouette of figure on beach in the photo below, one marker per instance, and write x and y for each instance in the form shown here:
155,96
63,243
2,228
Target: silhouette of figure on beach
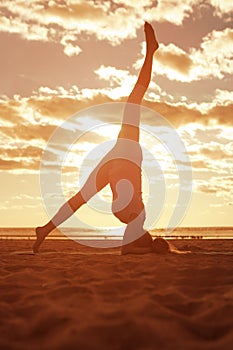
120,168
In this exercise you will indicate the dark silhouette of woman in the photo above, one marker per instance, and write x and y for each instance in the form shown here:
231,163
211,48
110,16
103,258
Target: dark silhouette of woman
121,169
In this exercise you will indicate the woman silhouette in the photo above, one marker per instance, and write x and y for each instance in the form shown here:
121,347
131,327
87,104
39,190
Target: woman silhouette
120,168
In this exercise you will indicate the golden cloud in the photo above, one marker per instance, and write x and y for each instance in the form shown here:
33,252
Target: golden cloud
221,186
217,152
27,135
222,7
174,58
212,59
55,21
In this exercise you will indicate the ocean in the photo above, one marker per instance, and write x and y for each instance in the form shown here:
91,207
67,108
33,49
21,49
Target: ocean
84,234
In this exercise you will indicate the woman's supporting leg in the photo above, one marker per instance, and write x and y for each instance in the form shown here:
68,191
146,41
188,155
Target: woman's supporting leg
97,180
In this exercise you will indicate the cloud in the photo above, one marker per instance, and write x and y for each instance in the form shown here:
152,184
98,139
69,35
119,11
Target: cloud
9,164
219,108
32,25
27,31
216,134
181,114
32,121
29,132
210,150
171,11
37,116
9,113
212,60
64,23
173,62
121,83
176,12
215,55
114,21
25,163
222,7
222,114
210,189
223,97
216,152
200,164
70,49
219,186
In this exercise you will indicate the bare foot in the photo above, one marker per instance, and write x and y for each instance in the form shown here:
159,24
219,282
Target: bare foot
142,245
151,41
40,236
161,246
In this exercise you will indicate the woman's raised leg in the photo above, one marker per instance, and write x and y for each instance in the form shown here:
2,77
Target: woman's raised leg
136,238
131,117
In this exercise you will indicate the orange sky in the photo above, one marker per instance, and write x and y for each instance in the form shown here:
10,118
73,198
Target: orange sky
59,57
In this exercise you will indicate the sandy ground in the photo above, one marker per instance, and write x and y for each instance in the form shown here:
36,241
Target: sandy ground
73,297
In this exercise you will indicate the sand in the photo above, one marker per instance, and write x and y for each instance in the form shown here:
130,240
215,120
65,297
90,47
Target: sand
102,300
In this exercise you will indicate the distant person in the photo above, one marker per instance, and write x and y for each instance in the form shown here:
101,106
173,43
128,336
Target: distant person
121,169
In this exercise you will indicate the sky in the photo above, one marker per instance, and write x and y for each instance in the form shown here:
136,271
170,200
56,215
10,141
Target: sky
59,58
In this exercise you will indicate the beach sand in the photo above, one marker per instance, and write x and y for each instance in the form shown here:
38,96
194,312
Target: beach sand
74,297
